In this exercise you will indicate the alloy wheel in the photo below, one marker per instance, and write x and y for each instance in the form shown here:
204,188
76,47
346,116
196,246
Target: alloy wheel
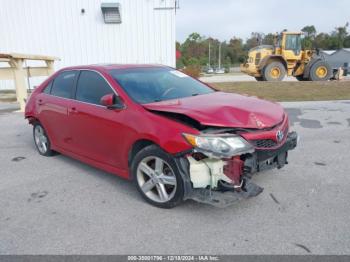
40,138
156,179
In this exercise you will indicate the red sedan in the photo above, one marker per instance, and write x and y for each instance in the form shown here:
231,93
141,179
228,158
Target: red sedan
174,136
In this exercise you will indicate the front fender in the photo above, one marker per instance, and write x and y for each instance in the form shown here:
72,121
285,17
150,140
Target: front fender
309,65
264,61
166,133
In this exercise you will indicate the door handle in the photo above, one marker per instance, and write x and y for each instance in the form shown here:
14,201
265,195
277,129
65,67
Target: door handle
73,110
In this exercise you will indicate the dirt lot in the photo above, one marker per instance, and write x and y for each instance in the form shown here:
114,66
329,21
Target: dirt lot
290,91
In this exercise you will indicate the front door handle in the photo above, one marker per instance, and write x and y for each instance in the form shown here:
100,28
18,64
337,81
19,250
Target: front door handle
73,110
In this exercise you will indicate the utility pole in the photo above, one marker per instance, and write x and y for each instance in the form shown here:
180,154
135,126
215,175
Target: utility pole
209,54
220,55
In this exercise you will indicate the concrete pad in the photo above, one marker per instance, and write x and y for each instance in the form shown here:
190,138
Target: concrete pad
8,106
58,205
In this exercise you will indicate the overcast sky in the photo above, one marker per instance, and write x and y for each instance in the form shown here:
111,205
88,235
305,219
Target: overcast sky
223,19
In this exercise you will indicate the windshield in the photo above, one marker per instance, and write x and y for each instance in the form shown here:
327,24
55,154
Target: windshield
154,84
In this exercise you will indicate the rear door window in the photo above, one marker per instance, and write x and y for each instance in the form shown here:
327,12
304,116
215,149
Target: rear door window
92,87
63,84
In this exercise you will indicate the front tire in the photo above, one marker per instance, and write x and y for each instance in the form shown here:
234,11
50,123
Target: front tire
157,177
259,78
300,78
321,71
274,71
41,140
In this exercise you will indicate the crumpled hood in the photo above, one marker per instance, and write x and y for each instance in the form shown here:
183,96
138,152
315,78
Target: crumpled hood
224,110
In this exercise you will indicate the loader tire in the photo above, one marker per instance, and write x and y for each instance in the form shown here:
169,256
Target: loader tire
274,71
301,78
320,71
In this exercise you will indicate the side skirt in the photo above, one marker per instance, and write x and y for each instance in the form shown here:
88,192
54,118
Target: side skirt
107,168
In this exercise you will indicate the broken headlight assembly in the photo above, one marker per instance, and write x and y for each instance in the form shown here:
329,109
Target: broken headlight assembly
220,146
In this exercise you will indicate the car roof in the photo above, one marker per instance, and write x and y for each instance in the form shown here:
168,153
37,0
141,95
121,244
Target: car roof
107,67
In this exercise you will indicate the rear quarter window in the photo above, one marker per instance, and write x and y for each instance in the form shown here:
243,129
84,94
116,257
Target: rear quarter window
47,89
63,84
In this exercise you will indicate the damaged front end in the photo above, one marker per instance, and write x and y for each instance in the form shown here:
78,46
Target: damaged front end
219,169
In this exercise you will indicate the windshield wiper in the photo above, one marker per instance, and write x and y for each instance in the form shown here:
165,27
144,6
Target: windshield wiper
195,94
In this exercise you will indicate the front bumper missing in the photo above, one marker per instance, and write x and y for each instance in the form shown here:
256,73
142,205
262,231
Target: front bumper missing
268,159
227,198
256,162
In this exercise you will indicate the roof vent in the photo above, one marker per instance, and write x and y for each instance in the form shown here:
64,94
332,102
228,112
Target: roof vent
111,13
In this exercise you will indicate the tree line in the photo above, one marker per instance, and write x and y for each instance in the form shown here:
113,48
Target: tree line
195,49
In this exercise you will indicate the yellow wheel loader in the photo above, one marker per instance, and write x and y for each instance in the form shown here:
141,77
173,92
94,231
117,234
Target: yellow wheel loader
286,57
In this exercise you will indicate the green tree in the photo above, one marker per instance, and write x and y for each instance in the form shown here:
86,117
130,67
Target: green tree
227,63
340,34
322,41
193,61
269,39
310,35
347,42
195,37
255,39
236,50
310,31
193,47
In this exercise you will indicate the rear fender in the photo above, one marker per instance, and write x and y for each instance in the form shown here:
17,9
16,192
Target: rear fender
30,109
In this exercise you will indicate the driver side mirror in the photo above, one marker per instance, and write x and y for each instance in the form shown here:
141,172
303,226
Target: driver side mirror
112,101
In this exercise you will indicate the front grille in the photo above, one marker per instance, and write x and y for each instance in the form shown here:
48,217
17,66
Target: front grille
264,143
271,139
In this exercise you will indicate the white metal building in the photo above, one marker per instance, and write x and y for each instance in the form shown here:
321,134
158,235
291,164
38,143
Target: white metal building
90,31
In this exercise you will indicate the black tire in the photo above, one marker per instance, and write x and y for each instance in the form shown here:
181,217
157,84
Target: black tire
271,68
324,68
334,75
259,78
42,151
141,157
300,78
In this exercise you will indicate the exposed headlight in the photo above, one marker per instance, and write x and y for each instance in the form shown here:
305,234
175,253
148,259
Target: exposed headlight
220,146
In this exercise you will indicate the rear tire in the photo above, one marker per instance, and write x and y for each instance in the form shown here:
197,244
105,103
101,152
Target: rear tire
41,140
157,177
274,71
320,71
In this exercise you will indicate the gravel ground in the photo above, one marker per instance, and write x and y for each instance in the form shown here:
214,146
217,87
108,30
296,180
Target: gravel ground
58,205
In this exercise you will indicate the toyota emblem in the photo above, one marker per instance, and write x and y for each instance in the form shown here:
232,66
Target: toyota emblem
279,135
